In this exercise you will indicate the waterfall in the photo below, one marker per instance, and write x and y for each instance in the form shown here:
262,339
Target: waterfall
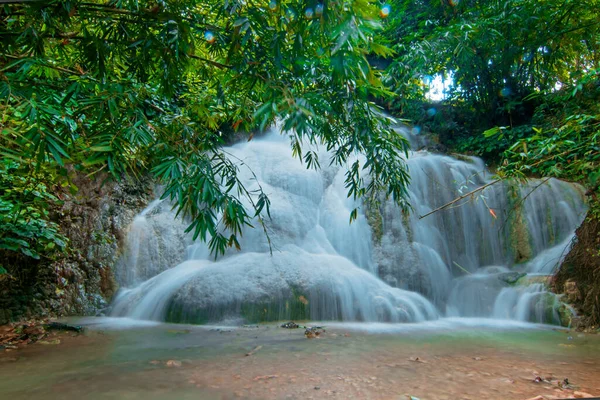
486,256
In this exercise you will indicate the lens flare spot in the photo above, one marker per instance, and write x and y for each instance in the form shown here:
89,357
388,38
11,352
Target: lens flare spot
209,37
505,92
385,11
416,130
454,2
431,112
319,9
428,79
273,5
290,13
308,13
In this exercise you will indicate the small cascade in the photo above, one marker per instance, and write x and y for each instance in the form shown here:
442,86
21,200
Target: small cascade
527,303
155,240
486,256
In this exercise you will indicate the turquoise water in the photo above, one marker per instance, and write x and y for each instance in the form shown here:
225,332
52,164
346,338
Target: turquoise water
119,358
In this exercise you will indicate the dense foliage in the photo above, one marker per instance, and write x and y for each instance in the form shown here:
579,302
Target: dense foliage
132,87
525,74
25,228
497,52
565,141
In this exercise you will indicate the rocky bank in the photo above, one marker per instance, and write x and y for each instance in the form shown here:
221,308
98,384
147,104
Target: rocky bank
82,281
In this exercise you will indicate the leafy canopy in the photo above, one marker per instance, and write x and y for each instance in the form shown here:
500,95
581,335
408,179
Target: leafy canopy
526,74
130,87
497,52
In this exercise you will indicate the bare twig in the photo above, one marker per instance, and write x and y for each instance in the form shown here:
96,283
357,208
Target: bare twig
257,348
461,197
462,268
211,62
499,180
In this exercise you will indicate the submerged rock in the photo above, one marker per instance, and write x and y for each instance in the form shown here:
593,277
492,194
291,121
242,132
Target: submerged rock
512,277
313,332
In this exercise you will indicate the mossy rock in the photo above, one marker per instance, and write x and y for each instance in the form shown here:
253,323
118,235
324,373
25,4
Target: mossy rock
463,158
567,315
295,307
512,278
375,220
527,280
548,304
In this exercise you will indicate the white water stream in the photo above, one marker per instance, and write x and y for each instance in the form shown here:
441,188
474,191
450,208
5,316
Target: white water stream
389,267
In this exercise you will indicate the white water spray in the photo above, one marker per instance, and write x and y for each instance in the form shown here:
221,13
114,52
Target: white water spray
398,269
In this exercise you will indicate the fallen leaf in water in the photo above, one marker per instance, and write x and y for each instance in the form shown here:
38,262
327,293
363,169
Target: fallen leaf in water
154,362
416,359
259,378
477,358
257,348
178,332
582,395
55,341
173,363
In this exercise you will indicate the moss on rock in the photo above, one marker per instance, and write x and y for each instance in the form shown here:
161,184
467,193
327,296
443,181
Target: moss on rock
292,306
375,220
527,280
519,237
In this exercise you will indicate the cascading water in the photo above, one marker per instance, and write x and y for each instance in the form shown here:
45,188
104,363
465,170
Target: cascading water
482,257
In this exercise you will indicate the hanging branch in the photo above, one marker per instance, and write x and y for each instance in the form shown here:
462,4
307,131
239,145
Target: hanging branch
460,198
499,180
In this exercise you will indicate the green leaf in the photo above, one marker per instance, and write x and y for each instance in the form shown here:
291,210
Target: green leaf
101,148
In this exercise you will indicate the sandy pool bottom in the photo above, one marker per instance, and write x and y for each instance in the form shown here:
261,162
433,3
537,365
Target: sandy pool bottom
118,359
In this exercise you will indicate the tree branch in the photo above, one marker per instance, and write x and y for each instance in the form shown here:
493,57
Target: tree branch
211,62
460,198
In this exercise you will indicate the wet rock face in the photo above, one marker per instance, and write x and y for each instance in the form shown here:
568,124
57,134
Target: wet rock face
572,292
82,282
578,277
97,230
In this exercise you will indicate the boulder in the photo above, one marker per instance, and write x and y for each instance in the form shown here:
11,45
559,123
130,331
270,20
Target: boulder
290,285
